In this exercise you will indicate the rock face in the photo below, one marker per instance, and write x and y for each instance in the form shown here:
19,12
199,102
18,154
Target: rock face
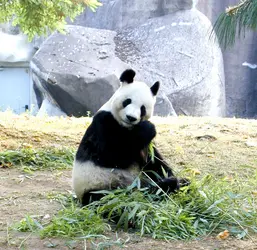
119,14
177,49
170,40
77,72
239,64
161,40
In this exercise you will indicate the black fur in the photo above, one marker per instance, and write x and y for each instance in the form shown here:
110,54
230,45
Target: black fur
126,102
90,197
155,88
108,144
128,76
143,111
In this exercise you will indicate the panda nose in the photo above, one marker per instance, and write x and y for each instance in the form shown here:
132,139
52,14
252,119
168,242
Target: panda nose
131,118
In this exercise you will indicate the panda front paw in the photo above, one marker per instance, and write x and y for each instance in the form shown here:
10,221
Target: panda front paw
146,130
144,133
183,182
169,185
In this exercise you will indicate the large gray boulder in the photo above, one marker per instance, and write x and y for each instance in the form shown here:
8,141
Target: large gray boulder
119,14
170,40
76,72
79,71
177,48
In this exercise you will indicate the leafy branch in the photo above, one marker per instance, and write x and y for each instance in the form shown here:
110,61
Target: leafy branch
235,20
38,17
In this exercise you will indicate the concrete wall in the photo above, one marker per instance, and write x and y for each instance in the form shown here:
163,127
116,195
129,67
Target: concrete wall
15,89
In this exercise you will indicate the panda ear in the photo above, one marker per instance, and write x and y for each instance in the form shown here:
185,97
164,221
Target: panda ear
128,76
155,88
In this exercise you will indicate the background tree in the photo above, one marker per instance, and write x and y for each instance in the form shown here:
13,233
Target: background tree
37,17
235,20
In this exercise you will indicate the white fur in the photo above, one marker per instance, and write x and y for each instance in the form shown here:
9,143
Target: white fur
100,178
140,94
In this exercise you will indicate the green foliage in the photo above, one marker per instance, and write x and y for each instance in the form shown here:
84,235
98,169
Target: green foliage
151,151
207,206
38,17
235,21
70,222
31,159
74,222
28,224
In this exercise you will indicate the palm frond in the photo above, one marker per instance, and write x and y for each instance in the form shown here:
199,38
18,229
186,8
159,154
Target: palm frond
234,21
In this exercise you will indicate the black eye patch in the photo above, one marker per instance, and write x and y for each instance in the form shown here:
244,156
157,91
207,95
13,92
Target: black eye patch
126,102
143,111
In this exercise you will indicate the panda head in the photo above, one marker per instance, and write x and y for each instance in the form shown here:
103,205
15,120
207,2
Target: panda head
133,101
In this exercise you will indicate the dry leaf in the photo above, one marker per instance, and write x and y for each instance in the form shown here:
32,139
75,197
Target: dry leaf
5,165
58,174
223,235
206,137
228,178
254,192
225,130
246,209
195,171
37,139
27,145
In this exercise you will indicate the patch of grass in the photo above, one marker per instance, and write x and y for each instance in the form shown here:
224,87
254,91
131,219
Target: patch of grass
70,222
107,243
28,224
74,222
209,205
32,159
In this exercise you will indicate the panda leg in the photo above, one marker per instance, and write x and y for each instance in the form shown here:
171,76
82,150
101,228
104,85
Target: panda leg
167,182
90,197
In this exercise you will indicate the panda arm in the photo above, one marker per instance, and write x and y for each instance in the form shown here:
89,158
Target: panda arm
95,142
109,132
117,145
106,129
144,133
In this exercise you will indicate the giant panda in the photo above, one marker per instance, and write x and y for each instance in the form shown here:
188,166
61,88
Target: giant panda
113,150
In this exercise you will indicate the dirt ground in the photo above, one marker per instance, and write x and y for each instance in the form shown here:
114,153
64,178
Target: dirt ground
231,147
